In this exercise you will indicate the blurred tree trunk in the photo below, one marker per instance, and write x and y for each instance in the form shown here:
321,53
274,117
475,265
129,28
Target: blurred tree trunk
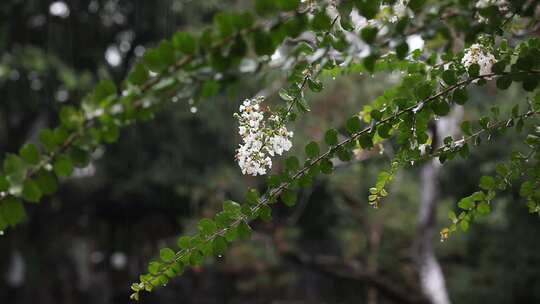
432,281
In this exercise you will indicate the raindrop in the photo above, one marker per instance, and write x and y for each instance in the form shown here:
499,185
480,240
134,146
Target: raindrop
193,110
113,56
36,84
59,9
14,75
62,95
125,46
93,7
139,50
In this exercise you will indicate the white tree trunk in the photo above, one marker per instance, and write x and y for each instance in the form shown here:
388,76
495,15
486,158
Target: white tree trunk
431,277
432,280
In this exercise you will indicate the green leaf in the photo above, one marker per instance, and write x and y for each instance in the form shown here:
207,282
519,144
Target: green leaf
366,141
231,235
243,230
466,128
498,67
346,23
184,242
185,42
452,216
31,191
449,77
424,91
487,182
331,137
315,85
12,211
474,70
207,227
252,196
466,203
4,184
460,96
265,213
384,130
321,21
224,24
166,53
353,124
344,154
288,197
440,107
301,104
110,133
504,82
104,89
138,75
368,34
48,139
232,208
238,48
415,5
484,208
326,166
30,154
265,7
210,88
243,20
285,95
71,118
63,166
46,182
402,50
312,150
464,224
196,258
167,255
288,5
526,189
368,8
14,166
369,62
292,163
220,245
263,43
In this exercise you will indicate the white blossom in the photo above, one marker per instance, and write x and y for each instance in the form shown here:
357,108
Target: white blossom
477,54
400,10
261,138
488,3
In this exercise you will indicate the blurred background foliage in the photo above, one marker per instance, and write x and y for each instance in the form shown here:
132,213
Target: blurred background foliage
85,244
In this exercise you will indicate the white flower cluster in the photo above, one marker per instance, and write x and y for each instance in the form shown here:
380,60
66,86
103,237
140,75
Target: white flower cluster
479,55
400,10
488,3
261,138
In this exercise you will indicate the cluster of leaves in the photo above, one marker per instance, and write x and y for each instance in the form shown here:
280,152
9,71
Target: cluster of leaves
405,113
186,63
198,66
